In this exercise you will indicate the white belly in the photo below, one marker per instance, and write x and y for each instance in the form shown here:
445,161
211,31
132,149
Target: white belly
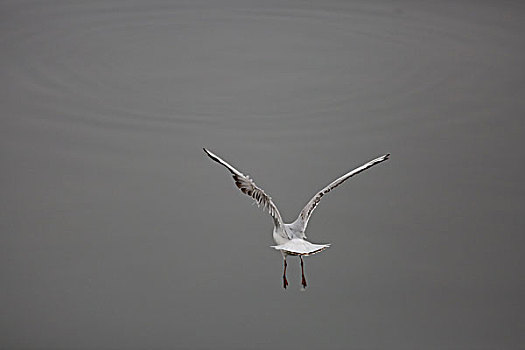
278,237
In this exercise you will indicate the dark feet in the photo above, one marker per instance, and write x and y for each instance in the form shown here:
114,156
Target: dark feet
285,281
303,282
303,279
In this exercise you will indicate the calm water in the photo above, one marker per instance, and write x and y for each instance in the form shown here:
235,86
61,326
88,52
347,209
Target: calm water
118,233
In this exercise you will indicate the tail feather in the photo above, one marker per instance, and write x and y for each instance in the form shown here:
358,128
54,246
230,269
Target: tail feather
298,246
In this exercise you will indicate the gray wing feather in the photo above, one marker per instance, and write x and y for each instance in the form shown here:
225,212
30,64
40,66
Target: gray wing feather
306,213
248,187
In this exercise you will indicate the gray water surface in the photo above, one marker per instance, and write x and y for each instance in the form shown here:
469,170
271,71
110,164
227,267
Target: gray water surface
117,232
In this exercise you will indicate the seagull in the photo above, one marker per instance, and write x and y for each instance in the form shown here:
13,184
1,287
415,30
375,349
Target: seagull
290,239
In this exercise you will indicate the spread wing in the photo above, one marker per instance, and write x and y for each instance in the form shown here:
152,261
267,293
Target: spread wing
249,188
304,216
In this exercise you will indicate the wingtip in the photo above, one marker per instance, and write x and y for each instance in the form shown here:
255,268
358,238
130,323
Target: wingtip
387,156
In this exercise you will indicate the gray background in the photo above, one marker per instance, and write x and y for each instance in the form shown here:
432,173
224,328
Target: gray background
118,233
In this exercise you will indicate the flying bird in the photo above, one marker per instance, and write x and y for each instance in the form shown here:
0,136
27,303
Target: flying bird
290,238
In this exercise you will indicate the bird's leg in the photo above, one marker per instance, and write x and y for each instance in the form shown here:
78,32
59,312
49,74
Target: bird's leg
285,282
303,281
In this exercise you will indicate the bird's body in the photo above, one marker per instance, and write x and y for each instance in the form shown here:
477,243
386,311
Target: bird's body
291,241
290,238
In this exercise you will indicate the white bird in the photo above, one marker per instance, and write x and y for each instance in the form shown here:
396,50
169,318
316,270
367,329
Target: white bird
290,238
